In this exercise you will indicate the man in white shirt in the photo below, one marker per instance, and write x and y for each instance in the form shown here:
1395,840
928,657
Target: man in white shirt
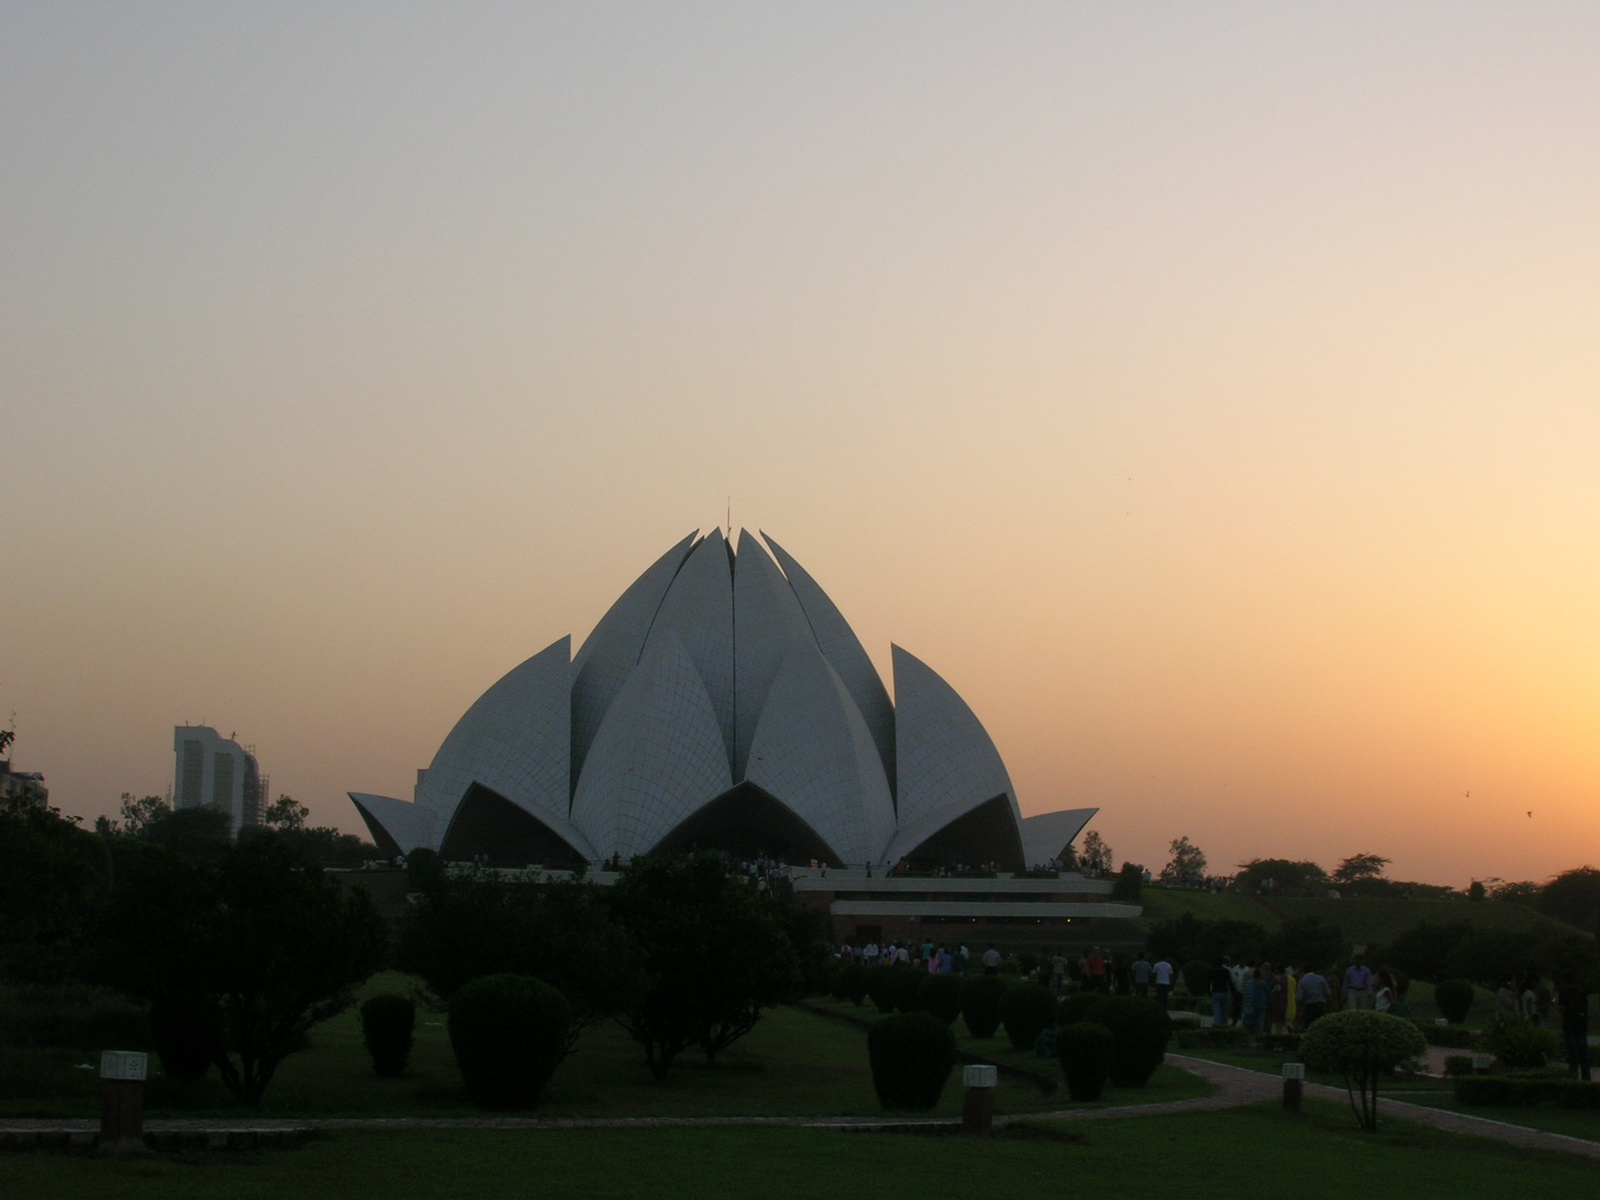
991,961
1162,974
871,954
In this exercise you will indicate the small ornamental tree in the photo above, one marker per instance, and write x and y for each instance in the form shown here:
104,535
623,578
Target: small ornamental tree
1085,1050
508,1032
1362,1046
980,1004
880,988
912,1055
1140,1030
1454,998
940,996
907,983
388,1024
1026,1008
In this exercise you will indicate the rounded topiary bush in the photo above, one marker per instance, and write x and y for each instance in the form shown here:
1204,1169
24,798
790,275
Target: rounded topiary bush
940,996
851,983
1454,998
508,1032
880,988
1363,1046
907,989
1140,1030
980,1004
185,1031
1026,1008
1086,1050
387,1025
1197,977
912,1055
1076,1007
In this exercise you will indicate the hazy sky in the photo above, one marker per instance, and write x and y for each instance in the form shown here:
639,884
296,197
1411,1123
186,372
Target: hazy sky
1210,392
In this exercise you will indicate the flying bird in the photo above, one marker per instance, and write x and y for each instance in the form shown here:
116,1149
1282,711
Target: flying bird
1530,814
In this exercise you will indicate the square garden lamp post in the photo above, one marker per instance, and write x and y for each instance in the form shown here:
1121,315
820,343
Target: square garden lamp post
122,1075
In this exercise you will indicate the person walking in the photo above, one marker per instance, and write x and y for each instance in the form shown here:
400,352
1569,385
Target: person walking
1162,974
1574,1000
1260,992
1314,996
1357,989
991,960
1221,994
1291,1001
1141,975
1097,970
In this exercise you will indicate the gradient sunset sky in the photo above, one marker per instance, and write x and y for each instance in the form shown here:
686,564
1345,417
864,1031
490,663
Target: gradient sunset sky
1211,393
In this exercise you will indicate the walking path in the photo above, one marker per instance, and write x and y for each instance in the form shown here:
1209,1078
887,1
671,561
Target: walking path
1236,1086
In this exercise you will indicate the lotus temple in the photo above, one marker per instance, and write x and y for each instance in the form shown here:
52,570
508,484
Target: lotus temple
724,703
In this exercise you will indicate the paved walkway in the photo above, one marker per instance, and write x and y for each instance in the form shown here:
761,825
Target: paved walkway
1236,1086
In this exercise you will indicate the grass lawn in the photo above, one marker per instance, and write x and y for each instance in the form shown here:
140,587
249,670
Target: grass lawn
1161,904
1574,1122
1200,1156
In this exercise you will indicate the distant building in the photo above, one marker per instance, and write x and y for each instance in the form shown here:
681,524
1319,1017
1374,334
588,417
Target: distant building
215,770
25,786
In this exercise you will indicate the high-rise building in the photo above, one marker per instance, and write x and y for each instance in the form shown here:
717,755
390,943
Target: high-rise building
212,769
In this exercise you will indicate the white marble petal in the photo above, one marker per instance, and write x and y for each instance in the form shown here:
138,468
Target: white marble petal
698,611
813,752
767,624
1046,835
844,651
659,755
612,649
514,740
946,761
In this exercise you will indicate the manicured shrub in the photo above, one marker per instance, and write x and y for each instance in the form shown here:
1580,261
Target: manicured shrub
907,989
980,1004
1483,1089
185,1031
1140,1030
1026,1008
1363,1046
387,1025
880,988
1220,1038
1573,1094
836,980
1458,1064
940,996
1076,1008
850,983
1519,1044
509,1033
912,1055
1197,977
1086,1051
1454,998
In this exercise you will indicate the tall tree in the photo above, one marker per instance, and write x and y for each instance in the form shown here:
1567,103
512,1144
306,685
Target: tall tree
1095,858
1360,867
1187,865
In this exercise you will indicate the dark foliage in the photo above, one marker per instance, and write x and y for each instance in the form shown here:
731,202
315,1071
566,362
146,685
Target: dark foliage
1129,883
1140,1030
1288,878
186,1030
1423,950
1075,1008
508,1032
1186,937
1025,1009
881,988
1304,940
1086,1051
1574,897
203,834
475,923
263,938
54,877
1454,998
714,955
912,1055
388,1025
1197,976
907,982
940,996
980,1004
852,983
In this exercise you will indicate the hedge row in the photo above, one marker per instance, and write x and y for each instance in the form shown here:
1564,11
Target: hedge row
1503,1091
